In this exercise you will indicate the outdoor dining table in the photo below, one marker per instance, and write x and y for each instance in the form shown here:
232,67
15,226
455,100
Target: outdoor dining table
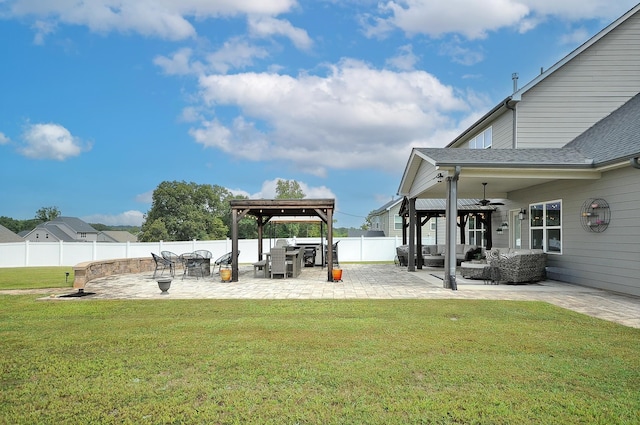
195,265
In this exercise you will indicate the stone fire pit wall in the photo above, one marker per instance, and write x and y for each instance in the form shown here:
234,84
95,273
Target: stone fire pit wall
89,270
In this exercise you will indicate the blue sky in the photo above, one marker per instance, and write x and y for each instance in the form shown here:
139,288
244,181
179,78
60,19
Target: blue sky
101,100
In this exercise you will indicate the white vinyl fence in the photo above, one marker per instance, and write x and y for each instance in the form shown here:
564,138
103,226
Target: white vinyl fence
31,254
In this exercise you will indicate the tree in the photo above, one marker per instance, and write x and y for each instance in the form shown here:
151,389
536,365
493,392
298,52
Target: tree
183,211
45,214
368,221
288,189
17,226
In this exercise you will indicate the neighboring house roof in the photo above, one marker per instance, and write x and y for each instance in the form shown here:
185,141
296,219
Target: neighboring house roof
117,236
56,229
386,207
7,235
356,233
75,224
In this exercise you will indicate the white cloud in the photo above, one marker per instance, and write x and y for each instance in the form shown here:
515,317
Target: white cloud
179,63
235,53
460,54
127,218
470,18
166,19
145,198
353,117
474,19
575,38
266,26
51,141
4,139
268,190
405,60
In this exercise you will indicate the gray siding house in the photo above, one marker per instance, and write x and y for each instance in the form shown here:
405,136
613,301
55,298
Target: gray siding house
387,219
562,154
66,229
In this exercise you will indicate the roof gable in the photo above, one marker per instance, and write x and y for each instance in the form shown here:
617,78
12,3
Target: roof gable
593,40
501,107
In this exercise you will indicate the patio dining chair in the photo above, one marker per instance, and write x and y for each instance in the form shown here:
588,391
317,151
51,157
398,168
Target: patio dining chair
279,262
204,253
225,260
173,258
162,264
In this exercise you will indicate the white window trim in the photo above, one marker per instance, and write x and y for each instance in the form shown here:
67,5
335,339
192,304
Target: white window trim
545,228
483,133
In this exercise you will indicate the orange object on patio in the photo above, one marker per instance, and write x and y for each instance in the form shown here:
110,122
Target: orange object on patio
337,275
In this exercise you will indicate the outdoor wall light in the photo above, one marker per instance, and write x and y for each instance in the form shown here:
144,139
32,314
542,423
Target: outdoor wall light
522,214
504,225
499,230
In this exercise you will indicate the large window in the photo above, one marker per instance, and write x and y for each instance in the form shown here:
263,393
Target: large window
546,226
482,140
476,232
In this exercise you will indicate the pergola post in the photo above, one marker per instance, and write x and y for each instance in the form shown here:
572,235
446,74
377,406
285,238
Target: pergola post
234,245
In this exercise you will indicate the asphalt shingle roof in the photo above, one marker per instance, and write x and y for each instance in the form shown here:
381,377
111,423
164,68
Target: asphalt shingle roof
7,235
615,137
565,157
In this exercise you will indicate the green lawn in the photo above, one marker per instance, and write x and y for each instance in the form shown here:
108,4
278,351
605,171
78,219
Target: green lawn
313,362
35,277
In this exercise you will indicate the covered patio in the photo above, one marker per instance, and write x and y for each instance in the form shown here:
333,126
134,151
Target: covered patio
426,209
265,210
452,174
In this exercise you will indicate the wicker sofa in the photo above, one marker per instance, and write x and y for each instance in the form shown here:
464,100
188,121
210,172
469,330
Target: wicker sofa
518,265
430,252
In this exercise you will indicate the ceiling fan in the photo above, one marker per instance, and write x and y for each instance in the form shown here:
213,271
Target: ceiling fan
484,201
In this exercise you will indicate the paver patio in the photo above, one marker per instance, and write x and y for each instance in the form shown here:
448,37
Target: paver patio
368,281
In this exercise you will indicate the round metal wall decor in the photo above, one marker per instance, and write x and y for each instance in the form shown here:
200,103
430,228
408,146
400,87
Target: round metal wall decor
595,215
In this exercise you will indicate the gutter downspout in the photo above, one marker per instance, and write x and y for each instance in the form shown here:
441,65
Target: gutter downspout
514,120
450,247
635,162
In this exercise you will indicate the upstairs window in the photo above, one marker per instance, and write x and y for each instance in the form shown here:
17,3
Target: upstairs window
482,140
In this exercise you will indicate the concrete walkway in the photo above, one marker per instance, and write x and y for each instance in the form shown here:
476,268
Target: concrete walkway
368,281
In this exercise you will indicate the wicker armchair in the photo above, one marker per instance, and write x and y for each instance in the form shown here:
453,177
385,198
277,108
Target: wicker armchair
518,265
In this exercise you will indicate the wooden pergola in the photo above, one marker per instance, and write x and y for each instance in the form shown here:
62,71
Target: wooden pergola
266,209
